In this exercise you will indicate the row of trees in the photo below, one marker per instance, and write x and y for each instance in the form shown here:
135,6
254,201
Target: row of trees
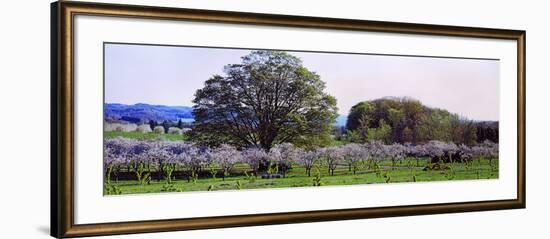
166,125
407,120
143,157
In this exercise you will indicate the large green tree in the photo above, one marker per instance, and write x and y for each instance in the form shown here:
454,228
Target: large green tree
268,98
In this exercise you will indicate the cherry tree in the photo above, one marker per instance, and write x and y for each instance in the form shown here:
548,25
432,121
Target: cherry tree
377,150
308,160
417,152
111,163
486,150
194,159
333,156
254,157
163,158
226,156
283,155
395,152
354,154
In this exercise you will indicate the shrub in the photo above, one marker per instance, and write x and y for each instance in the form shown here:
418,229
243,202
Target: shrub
119,127
175,130
144,128
158,130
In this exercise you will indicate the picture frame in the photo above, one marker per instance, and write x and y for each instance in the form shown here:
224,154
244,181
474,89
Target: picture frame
64,121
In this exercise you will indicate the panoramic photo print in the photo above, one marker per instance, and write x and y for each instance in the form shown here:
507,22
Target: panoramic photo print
179,119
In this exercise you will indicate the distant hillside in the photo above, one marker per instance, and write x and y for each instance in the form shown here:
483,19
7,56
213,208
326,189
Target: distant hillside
145,112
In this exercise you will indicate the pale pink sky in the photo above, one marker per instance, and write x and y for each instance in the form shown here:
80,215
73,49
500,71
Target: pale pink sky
171,75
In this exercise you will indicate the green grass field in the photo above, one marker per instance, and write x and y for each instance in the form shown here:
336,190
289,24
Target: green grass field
405,171
144,136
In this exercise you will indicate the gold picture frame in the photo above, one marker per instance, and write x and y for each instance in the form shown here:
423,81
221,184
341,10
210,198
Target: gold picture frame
62,128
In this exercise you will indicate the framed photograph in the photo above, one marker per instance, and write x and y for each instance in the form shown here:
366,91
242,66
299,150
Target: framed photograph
170,119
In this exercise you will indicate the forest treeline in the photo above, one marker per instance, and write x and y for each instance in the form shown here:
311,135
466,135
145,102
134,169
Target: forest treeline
406,120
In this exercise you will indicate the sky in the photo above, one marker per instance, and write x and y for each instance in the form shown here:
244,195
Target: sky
170,75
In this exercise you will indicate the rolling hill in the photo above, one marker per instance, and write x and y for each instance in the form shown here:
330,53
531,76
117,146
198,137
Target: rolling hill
145,112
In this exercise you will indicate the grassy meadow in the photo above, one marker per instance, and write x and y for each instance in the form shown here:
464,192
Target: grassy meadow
144,136
403,172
